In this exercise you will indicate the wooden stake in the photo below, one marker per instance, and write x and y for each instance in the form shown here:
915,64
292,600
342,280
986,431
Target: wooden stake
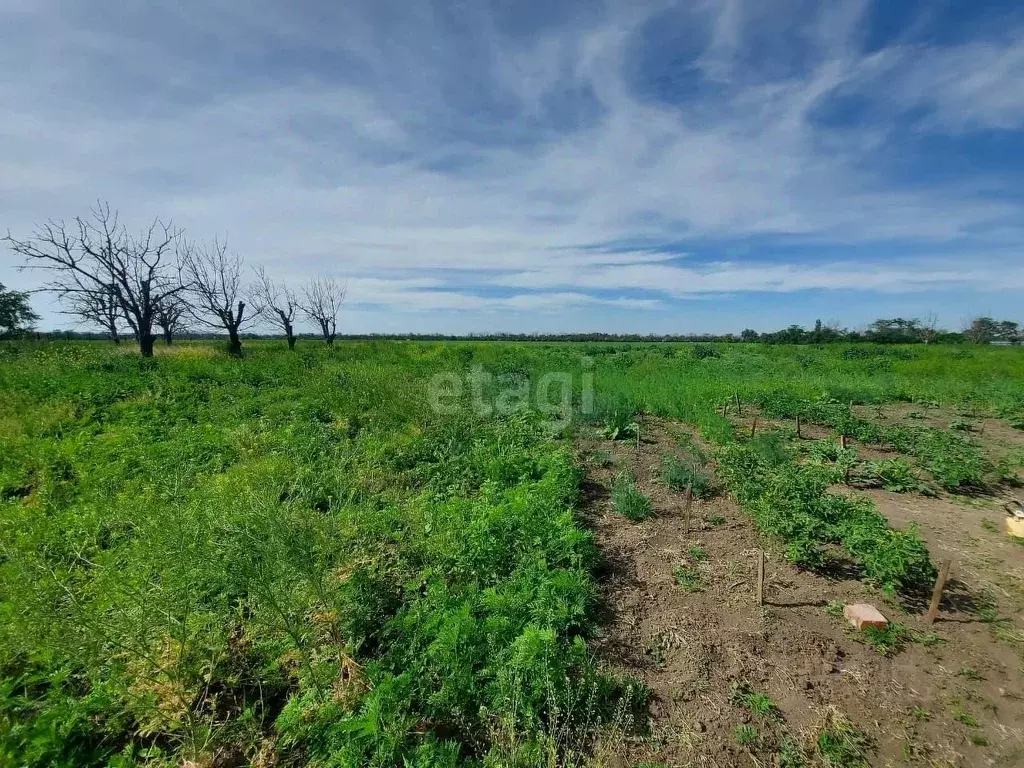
739,407
842,442
688,505
753,427
760,577
940,584
798,426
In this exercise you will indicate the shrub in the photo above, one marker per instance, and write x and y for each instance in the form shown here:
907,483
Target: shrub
894,475
678,476
629,500
705,351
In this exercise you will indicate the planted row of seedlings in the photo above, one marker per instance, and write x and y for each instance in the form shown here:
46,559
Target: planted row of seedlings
791,501
955,461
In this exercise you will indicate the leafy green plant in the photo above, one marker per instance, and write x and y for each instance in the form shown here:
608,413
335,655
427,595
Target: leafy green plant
689,578
893,475
792,502
841,745
705,352
697,553
888,641
629,501
963,716
757,703
745,734
678,476
790,754
969,673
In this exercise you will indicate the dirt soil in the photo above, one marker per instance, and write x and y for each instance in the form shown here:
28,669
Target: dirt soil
955,696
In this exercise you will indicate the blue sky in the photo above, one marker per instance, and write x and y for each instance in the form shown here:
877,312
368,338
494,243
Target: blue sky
544,165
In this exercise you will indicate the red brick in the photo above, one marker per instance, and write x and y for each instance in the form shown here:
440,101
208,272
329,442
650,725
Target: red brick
862,615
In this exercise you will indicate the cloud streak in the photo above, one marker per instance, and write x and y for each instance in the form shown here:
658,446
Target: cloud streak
532,157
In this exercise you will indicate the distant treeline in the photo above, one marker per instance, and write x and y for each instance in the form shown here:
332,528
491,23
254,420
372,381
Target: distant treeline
982,330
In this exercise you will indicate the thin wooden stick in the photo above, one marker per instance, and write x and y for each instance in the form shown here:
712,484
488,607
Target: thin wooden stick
798,426
940,584
688,505
760,577
842,442
753,427
739,406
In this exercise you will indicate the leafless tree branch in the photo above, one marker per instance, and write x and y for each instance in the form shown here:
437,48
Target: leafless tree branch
214,281
323,298
95,260
276,303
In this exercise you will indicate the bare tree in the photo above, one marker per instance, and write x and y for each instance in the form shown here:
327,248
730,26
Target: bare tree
97,307
170,316
929,327
276,303
95,258
214,281
322,301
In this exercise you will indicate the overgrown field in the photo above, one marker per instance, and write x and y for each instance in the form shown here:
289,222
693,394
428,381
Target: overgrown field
297,558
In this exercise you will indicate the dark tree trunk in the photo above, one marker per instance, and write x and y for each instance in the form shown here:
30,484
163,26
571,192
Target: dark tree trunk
146,344
289,331
168,337
329,338
234,343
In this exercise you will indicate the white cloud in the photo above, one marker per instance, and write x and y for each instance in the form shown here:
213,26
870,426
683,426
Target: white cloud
381,159
724,277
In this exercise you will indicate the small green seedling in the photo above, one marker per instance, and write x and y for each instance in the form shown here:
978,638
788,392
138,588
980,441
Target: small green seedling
969,673
745,734
689,579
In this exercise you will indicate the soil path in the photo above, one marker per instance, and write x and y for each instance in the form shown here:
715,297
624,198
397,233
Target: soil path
957,698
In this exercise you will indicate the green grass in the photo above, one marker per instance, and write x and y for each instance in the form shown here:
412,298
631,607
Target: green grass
745,735
697,553
757,703
292,557
689,578
288,553
968,673
841,745
888,641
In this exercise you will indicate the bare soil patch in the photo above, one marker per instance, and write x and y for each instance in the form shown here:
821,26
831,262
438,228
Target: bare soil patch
955,699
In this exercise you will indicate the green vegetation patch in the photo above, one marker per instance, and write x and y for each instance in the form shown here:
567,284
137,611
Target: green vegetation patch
629,501
791,501
286,557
